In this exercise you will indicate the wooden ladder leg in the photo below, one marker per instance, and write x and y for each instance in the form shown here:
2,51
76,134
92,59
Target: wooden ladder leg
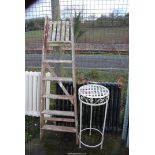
74,80
76,120
42,101
43,67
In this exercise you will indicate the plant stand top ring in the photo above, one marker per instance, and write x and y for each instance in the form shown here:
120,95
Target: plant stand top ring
93,94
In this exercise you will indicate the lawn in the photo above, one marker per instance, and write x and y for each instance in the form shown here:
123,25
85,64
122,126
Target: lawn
105,35
34,34
33,39
92,35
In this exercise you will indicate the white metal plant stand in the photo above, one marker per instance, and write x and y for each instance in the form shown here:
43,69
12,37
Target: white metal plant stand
93,95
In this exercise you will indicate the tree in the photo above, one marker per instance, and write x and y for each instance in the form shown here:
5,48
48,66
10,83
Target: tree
127,15
91,17
111,16
127,19
34,24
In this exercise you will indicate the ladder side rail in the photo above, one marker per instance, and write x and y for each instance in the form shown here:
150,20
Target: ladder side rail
50,31
74,77
43,90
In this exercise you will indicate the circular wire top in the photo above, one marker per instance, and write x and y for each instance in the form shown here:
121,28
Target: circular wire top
93,91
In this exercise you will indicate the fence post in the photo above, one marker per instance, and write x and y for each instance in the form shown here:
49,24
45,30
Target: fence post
126,119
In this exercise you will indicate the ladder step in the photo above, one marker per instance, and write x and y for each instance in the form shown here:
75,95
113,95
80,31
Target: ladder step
58,61
58,42
58,113
60,97
56,119
59,79
59,128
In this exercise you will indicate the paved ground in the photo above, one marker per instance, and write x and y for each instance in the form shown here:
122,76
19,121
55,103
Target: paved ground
85,61
64,143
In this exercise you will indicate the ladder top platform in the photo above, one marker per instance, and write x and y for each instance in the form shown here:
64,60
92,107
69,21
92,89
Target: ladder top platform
59,31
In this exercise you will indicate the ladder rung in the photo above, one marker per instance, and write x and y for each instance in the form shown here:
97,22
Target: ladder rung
61,79
56,119
58,113
59,42
59,128
61,97
58,61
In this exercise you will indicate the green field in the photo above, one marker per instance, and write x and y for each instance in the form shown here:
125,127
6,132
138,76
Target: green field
33,39
32,34
105,35
91,35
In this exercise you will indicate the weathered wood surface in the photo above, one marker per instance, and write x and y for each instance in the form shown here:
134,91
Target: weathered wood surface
67,31
74,79
54,31
60,97
63,31
58,33
59,36
58,112
57,119
62,79
59,128
43,89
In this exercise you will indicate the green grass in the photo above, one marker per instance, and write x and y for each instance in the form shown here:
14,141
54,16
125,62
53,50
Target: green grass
31,127
28,137
100,34
36,34
105,35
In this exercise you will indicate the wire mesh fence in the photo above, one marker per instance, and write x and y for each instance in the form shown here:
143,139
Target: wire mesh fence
101,29
103,24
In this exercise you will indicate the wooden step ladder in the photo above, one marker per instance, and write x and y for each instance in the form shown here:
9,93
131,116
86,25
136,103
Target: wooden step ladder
58,33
